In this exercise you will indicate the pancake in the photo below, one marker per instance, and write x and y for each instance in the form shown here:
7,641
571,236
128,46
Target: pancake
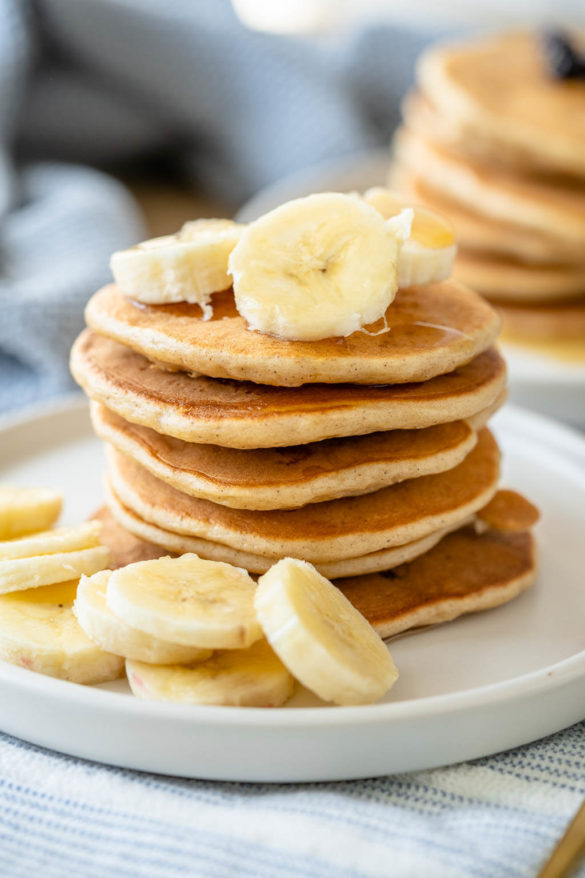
285,478
545,324
504,279
482,234
499,90
167,541
247,415
433,330
464,573
508,512
330,531
546,206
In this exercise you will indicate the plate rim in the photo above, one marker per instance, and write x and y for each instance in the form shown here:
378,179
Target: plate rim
569,448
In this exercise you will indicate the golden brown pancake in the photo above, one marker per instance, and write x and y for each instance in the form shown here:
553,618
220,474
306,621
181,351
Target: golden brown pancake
499,90
433,330
285,478
509,512
464,573
330,531
483,234
545,324
504,279
177,543
246,415
548,206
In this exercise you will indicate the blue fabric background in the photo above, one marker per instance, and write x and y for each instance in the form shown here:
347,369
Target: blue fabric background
85,84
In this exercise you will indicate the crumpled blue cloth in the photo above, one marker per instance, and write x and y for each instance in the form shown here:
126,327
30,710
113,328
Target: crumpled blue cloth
88,85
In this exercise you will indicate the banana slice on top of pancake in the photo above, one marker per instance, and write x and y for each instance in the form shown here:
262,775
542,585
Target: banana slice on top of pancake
187,267
317,267
427,254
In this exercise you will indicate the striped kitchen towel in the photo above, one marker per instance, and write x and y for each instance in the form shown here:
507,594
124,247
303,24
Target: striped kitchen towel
493,818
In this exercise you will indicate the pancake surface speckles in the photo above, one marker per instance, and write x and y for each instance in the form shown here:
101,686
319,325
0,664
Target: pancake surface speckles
281,478
247,415
329,531
433,329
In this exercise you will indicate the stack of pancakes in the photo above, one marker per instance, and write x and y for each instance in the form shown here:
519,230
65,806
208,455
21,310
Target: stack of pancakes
367,456
495,141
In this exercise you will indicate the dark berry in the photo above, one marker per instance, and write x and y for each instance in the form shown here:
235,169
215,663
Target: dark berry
563,61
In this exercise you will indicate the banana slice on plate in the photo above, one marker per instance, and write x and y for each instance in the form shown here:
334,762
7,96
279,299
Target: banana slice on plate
428,253
39,631
49,542
26,510
187,600
320,637
19,573
187,267
317,267
114,635
253,677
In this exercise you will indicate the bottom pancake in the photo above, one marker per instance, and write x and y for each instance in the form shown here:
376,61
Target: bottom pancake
466,572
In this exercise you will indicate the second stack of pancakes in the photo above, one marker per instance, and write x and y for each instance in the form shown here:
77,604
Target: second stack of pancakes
357,454
494,138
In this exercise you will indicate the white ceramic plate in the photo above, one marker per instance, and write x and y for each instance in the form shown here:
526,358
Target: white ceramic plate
537,381
475,686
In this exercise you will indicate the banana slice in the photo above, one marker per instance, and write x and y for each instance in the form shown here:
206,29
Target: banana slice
253,677
427,255
320,637
23,573
114,635
48,542
317,267
187,267
186,600
39,631
25,510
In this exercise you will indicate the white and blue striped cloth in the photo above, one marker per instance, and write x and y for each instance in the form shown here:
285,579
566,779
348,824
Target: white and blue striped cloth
494,818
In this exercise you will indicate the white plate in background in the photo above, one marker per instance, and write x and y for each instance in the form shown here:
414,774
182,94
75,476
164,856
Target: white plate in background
539,382
469,688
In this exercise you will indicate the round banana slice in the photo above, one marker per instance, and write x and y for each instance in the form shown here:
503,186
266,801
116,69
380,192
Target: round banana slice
186,600
39,631
253,677
114,635
187,267
317,267
320,637
427,255
20,574
26,510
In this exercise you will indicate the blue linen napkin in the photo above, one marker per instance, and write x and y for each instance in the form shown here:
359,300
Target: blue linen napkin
493,818
99,82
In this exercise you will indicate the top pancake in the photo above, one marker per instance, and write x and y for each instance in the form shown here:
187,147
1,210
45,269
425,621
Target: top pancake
433,330
500,90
